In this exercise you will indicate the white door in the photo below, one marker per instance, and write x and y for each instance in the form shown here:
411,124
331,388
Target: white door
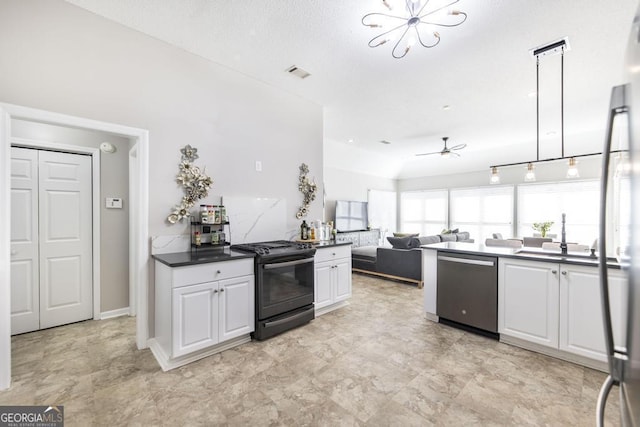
65,238
25,294
343,279
581,325
323,282
51,239
528,299
236,307
195,318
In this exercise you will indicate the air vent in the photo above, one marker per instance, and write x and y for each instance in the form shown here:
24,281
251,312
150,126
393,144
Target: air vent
298,72
385,142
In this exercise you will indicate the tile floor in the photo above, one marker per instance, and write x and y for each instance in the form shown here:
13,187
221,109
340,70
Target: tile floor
375,362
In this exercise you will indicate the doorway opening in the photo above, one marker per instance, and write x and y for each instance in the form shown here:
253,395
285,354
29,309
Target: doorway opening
138,218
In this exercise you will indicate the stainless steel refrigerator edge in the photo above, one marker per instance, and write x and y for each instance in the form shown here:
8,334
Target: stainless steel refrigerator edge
624,361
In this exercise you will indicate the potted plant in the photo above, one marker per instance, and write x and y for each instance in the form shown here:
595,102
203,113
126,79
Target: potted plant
542,227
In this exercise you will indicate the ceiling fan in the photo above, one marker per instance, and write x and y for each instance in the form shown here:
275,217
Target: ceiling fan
446,151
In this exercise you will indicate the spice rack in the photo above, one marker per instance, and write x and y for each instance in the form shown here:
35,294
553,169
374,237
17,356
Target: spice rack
213,231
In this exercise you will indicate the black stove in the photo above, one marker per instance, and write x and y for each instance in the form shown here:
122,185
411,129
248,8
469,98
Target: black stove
285,285
276,248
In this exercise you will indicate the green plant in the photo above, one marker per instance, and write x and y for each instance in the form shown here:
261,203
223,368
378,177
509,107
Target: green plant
543,227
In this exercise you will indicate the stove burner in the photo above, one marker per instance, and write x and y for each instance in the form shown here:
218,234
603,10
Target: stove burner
270,248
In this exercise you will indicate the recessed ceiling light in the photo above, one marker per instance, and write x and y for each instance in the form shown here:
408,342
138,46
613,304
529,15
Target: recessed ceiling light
384,141
551,133
350,140
446,107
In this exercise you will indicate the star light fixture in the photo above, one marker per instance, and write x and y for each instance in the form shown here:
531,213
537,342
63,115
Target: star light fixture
408,22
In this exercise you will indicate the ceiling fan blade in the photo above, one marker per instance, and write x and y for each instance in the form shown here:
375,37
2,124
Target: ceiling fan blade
458,147
455,154
428,154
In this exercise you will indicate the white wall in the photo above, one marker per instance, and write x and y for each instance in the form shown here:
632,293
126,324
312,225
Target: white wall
114,182
58,57
346,185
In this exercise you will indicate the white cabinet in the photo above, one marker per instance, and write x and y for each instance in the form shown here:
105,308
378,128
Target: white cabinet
332,278
528,300
581,326
202,309
559,306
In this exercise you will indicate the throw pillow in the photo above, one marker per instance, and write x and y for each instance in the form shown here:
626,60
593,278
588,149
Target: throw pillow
405,234
427,240
448,237
445,231
462,236
400,242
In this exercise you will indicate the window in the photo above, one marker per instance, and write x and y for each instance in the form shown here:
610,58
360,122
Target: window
547,202
483,211
424,212
382,211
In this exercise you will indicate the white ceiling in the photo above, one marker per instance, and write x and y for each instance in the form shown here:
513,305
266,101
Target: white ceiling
482,69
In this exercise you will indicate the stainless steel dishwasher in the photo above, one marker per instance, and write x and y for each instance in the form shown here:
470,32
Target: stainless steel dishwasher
468,290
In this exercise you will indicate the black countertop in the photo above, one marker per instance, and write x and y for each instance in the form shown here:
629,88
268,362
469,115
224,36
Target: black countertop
533,254
181,259
329,243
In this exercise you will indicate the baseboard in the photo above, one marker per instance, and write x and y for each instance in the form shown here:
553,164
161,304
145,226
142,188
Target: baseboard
558,354
330,308
167,363
432,317
115,313
389,276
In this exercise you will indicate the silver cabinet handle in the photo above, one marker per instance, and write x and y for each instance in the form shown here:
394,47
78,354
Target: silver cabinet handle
564,273
554,271
215,291
221,289
333,253
466,261
218,271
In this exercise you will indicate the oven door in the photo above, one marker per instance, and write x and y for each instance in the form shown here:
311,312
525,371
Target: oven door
284,285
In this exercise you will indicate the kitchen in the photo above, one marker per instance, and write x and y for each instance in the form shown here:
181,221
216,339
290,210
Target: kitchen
209,112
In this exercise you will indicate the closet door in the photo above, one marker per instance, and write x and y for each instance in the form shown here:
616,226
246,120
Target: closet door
65,225
25,287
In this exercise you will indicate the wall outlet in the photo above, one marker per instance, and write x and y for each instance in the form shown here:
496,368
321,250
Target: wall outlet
113,203
258,166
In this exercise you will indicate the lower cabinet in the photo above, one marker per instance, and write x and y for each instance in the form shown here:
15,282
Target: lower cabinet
332,277
559,306
581,325
202,309
528,300
210,313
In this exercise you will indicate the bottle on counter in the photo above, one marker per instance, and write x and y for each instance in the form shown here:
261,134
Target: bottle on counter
223,215
304,230
215,237
221,237
312,234
204,214
197,238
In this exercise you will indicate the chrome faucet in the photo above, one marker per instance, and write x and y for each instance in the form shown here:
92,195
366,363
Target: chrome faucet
563,243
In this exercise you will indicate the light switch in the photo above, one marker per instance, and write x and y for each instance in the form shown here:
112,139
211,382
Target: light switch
114,203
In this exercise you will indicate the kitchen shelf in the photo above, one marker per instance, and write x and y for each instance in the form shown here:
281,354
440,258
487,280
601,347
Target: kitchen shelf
206,230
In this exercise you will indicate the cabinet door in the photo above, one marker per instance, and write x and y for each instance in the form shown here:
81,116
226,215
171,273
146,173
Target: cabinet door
581,323
342,277
528,301
237,302
195,317
323,294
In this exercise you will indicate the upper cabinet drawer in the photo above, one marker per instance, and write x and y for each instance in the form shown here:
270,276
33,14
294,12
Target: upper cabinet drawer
333,252
210,272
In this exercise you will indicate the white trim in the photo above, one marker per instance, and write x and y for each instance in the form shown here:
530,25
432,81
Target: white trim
133,229
141,257
330,308
114,313
167,363
5,249
95,202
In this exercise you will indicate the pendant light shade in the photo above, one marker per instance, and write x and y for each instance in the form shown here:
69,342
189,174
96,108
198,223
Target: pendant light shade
495,176
530,176
573,172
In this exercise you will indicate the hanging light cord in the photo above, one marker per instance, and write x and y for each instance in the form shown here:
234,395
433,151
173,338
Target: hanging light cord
562,100
537,107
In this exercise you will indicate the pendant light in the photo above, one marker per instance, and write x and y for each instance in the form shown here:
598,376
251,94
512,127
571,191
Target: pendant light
573,172
495,176
530,176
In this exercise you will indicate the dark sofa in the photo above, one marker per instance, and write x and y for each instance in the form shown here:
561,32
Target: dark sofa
403,261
